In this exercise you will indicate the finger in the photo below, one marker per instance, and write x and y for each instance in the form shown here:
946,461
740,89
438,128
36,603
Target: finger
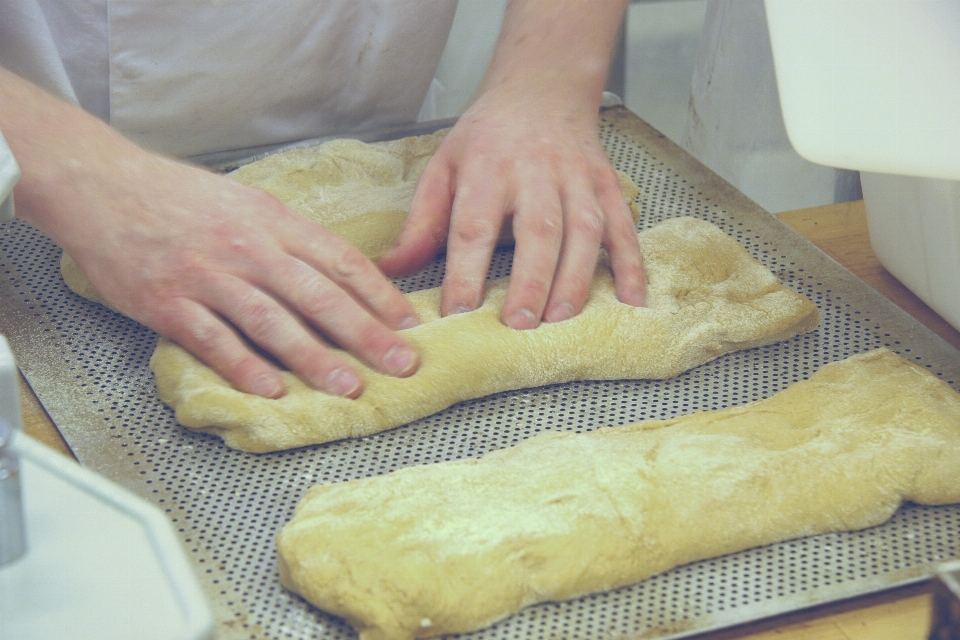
620,240
425,230
327,307
353,272
583,225
270,326
538,229
215,343
478,213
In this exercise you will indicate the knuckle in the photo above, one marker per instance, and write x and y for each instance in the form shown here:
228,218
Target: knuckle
317,298
628,265
322,301
165,312
261,321
607,179
350,263
579,283
315,361
534,289
242,366
474,230
232,237
540,226
621,218
610,192
463,281
265,201
370,339
204,335
589,221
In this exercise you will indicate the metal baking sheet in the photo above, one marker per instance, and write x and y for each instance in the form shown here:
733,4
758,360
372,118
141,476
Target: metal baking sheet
89,367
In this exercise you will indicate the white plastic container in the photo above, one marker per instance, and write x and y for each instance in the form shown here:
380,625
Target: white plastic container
100,562
914,226
871,85
874,85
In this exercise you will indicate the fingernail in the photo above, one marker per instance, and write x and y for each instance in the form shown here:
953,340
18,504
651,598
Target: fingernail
559,312
522,319
635,298
400,360
343,382
268,386
460,308
409,323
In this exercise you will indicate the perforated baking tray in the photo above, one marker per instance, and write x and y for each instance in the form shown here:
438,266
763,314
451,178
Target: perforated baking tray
89,368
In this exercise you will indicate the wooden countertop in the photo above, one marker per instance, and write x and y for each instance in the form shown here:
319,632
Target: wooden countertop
840,231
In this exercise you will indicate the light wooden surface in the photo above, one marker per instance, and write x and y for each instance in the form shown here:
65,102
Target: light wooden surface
840,231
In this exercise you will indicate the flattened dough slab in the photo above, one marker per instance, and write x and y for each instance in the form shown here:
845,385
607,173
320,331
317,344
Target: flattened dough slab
456,546
707,296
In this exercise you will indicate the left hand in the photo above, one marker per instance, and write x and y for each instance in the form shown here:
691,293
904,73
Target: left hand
537,164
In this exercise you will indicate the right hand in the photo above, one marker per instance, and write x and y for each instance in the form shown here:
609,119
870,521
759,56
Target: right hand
228,272
208,262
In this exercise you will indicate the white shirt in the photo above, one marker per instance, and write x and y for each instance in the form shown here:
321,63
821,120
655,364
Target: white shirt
187,77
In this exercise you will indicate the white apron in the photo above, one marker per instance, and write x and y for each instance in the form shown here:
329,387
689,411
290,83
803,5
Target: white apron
196,76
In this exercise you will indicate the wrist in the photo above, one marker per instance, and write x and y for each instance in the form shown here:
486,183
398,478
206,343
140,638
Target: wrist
64,153
555,52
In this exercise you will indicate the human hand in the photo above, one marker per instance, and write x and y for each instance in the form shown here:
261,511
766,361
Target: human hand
513,160
228,272
527,153
219,268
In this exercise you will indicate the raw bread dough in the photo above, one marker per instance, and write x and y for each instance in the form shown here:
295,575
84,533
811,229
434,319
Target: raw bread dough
360,191
451,547
706,297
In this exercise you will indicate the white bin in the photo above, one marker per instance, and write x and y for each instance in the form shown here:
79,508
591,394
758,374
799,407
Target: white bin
874,85
914,228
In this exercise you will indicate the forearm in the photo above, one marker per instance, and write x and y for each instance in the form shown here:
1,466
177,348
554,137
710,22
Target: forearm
557,50
59,148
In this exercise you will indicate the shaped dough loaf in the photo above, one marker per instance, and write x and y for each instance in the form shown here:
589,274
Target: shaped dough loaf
706,297
451,547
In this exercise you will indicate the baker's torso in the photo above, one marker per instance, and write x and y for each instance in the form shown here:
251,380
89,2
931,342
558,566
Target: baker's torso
194,76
